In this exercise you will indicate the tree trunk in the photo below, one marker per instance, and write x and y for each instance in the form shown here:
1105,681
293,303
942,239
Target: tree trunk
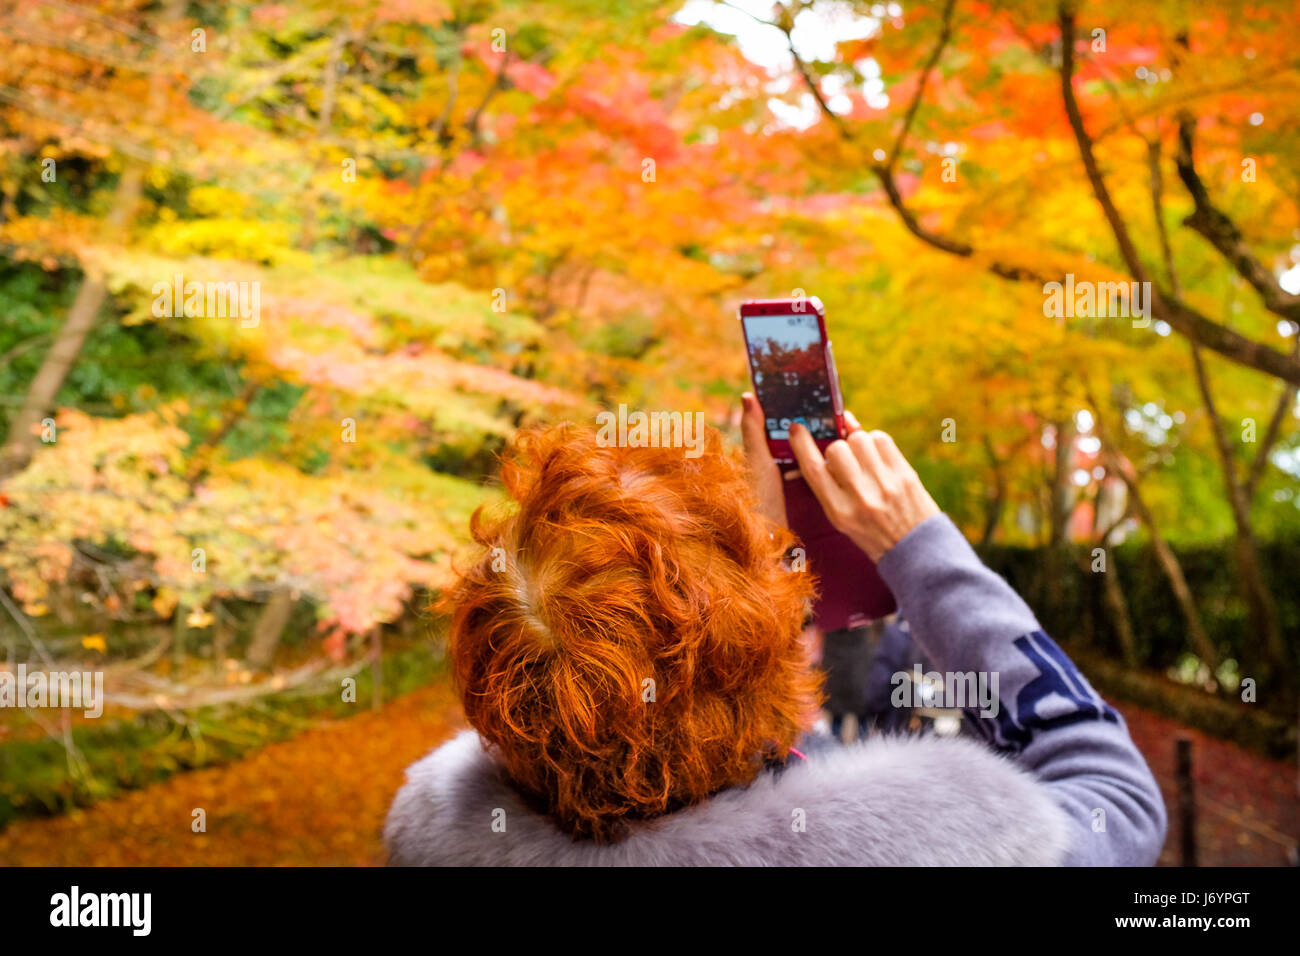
1056,560
1260,604
20,442
220,637
1112,592
180,630
1196,635
996,503
324,120
1060,514
1116,604
269,628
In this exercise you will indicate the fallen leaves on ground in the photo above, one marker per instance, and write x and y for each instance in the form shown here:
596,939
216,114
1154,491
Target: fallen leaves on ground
317,799
320,799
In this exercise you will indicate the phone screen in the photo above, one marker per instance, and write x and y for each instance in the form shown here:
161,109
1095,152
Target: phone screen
791,379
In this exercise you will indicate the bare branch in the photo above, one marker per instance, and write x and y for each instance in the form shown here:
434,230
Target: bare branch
1170,309
884,170
1158,211
1284,403
945,34
1223,234
1178,314
497,86
1127,251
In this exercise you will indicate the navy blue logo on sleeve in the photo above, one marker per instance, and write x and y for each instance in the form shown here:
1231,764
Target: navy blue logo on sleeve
1057,697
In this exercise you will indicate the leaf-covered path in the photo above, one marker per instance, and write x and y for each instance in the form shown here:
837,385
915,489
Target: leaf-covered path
320,799
1247,806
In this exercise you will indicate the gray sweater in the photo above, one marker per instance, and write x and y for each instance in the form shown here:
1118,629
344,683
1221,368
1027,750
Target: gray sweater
966,618
1056,780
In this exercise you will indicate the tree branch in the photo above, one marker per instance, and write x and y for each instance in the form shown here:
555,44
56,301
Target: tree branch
1158,210
945,34
498,84
1127,251
1178,314
884,171
1170,309
1271,435
1222,233
200,459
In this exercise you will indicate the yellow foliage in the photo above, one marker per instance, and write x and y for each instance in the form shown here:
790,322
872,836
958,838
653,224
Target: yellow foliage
253,240
217,201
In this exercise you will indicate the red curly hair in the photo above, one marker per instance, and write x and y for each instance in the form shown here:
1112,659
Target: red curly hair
629,642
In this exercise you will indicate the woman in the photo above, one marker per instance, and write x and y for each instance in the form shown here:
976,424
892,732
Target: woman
628,653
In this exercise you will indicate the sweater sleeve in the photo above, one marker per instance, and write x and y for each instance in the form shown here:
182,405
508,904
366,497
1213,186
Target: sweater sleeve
1044,714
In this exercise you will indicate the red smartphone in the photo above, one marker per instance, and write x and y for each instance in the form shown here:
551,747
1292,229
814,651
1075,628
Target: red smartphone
793,370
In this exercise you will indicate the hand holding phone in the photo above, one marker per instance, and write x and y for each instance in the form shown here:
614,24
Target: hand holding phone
797,391
865,486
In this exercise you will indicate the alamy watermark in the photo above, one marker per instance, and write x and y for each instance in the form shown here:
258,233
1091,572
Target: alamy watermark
213,300
1102,300
76,690
75,908
949,691
660,429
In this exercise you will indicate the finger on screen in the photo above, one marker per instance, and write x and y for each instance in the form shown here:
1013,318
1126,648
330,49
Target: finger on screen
811,462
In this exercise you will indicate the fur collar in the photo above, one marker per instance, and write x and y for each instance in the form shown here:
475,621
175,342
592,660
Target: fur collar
902,801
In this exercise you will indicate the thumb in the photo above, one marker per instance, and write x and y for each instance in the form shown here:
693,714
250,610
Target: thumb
752,432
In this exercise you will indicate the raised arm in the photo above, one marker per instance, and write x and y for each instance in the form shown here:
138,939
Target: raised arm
968,620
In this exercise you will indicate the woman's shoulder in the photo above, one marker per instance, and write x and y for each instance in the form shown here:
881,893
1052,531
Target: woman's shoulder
900,801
